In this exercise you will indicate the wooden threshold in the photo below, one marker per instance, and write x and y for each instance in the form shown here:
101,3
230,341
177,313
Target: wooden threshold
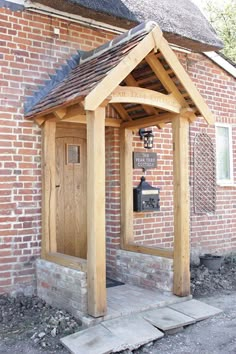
67,261
160,252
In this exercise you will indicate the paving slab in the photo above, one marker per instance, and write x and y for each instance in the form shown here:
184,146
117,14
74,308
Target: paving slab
166,318
135,299
196,309
129,299
94,340
134,331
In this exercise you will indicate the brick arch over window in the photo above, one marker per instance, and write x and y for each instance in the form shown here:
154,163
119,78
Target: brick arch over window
204,174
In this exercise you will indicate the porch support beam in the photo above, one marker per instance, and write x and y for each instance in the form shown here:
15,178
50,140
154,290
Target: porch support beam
49,189
96,212
186,81
149,121
123,69
164,77
138,95
126,180
181,284
79,119
109,122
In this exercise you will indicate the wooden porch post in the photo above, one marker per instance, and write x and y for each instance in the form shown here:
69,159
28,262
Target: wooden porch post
49,189
96,212
181,206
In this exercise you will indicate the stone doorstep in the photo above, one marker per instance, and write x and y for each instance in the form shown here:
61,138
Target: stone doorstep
130,332
89,321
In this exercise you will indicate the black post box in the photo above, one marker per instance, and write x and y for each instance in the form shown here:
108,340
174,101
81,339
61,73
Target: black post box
146,197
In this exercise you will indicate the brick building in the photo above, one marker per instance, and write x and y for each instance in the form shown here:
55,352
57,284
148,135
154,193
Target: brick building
35,42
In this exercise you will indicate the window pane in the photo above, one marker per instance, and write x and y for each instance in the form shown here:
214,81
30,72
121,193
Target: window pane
73,154
223,153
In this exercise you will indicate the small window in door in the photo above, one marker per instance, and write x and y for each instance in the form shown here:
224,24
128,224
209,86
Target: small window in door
72,154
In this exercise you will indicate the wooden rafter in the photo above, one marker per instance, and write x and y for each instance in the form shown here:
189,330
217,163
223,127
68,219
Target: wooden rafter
130,81
163,76
121,111
146,80
185,80
121,71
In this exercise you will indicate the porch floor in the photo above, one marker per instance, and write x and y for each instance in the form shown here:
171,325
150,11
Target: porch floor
128,299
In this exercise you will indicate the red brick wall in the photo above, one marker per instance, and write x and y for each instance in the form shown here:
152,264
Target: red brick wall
29,52
214,232
112,196
156,228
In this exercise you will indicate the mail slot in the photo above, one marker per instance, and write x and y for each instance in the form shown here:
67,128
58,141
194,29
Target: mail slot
146,197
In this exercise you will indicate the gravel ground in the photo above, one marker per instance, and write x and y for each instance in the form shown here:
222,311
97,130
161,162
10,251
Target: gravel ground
216,335
29,326
206,282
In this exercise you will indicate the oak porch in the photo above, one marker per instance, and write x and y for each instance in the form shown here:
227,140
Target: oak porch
169,97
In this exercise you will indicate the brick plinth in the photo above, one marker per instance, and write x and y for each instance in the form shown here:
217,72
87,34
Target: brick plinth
144,270
62,287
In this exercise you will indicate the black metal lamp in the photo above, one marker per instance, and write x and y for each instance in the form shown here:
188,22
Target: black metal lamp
147,137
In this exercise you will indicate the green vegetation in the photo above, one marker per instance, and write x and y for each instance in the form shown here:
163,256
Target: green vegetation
222,16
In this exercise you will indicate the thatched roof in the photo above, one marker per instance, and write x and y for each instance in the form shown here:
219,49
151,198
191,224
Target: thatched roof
181,21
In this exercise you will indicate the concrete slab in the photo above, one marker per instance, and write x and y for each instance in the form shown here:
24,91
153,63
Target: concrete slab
166,319
135,299
94,340
196,309
134,331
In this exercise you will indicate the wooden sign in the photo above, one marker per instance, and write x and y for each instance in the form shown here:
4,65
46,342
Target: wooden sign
145,160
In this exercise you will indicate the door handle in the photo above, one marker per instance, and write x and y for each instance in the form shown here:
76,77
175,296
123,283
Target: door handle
57,185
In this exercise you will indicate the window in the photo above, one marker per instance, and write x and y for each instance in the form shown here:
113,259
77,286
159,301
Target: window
224,159
72,154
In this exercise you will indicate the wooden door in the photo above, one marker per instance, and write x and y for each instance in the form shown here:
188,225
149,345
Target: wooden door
71,192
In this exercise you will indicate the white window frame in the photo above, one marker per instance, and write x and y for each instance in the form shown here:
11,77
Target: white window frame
229,181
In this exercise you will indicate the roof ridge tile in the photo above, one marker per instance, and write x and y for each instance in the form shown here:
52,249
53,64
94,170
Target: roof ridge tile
144,27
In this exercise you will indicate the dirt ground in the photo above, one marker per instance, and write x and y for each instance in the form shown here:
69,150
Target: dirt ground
29,326
216,335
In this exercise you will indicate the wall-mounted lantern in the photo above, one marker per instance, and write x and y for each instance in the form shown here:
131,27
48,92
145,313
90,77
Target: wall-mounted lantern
147,137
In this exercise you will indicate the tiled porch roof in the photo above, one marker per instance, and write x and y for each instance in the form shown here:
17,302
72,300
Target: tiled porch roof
71,85
140,59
